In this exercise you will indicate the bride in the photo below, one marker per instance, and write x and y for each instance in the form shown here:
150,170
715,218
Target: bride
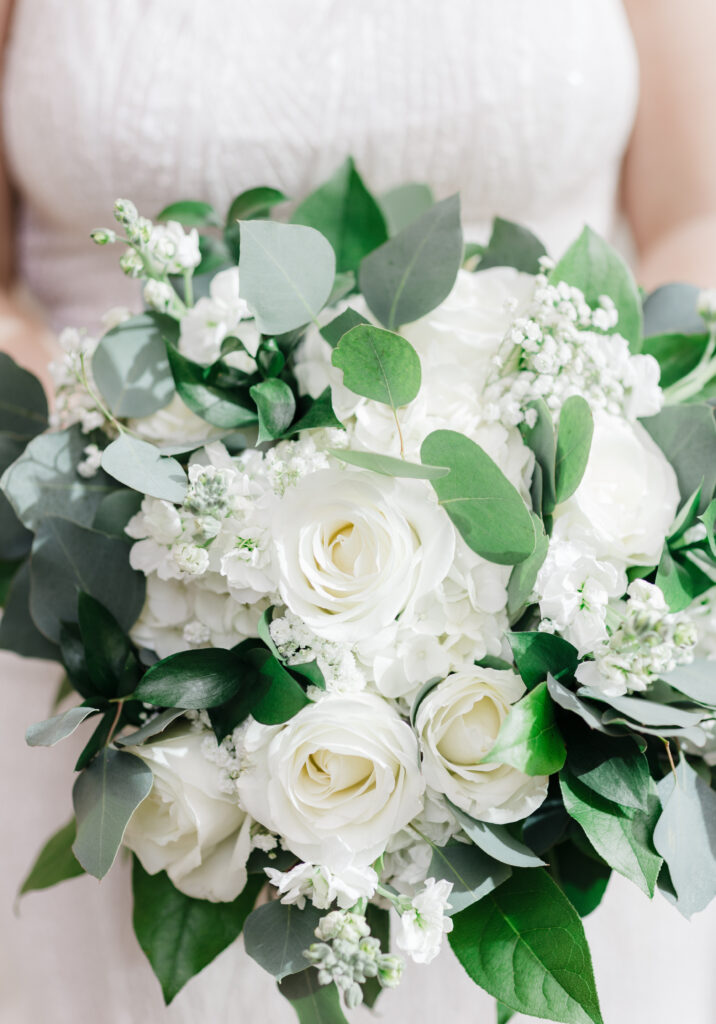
548,112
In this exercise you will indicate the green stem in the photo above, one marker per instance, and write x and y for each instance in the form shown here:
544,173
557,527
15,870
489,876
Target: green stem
188,288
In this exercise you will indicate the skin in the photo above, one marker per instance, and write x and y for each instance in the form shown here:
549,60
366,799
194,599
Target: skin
668,183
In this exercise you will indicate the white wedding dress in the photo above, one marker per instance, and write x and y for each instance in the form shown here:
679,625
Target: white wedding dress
525,107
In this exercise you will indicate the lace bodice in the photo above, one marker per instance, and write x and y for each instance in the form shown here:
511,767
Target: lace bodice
525,107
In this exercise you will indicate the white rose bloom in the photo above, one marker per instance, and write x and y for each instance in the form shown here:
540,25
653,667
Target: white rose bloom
189,826
341,777
457,723
627,498
355,549
323,887
421,929
172,425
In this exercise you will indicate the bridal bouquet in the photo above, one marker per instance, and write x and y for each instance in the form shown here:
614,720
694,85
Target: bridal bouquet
382,569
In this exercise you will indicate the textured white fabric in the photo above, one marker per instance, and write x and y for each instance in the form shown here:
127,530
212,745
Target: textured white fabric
523,106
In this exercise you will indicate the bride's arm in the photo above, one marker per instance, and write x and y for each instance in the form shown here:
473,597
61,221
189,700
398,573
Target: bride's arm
22,336
670,170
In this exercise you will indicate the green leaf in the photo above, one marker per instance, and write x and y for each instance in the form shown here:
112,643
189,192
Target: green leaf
386,465
181,935
52,730
192,213
405,204
482,503
504,1013
254,202
318,414
571,702
55,862
614,768
191,679
286,273
512,245
686,435
379,923
594,267
215,256
334,330
7,573
97,741
696,681
646,712
528,738
222,407
276,406
473,874
411,274
574,439
105,796
106,645
496,841
276,934
538,655
685,518
685,836
345,212
379,365
139,465
709,520
524,944
583,878
15,539
676,354
23,405
44,481
623,837
67,558
672,309
314,1003
114,512
540,439
18,631
681,580
154,727
523,577
285,697
130,365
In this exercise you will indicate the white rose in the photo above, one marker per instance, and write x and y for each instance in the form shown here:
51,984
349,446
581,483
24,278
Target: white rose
354,550
458,722
627,498
341,775
188,826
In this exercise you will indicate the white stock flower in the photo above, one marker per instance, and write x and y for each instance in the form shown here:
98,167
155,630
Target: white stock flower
457,723
421,928
341,775
189,826
354,550
213,318
627,498
322,886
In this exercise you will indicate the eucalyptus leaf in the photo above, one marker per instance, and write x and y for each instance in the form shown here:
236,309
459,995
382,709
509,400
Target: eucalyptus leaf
672,309
202,678
523,578
334,330
180,935
685,836
154,727
276,934
676,354
680,580
496,841
55,862
23,405
52,730
540,439
114,512
106,645
130,365
623,837
345,212
528,738
139,465
387,465
276,406
646,712
568,700
486,508
411,273
67,558
512,245
105,796
18,631
574,439
696,681
378,365
524,944
405,204
44,481
314,1003
192,213
286,273
222,407
594,267
538,655
472,872
686,435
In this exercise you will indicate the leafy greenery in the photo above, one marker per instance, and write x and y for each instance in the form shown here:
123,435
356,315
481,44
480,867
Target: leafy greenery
404,204
574,439
52,730
223,407
672,309
379,365
130,365
540,438
538,655
191,213
139,465
411,273
334,330
181,935
387,465
314,1003
23,405
512,245
55,862
248,205
528,738
524,944
524,575
686,435
18,631
614,768
276,406
472,872
276,934
485,507
496,841
676,354
203,678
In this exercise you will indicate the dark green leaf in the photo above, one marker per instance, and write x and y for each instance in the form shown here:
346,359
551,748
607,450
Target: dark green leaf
342,324
139,465
379,365
52,730
528,738
411,274
685,517
284,699
622,836
318,414
672,309
115,511
55,862
687,436
215,256
574,439
192,679
154,727
105,796
130,365
386,465
314,1003
106,645
496,841
524,944
512,245
345,212
276,405
540,438
97,741
254,202
23,405
18,631
473,874
286,272
571,702
539,654
225,408
487,510
614,768
709,520
680,580
379,923
67,558
504,1013
192,213
676,354
181,935
276,934
583,879
523,577
547,825
594,267
404,204
7,574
